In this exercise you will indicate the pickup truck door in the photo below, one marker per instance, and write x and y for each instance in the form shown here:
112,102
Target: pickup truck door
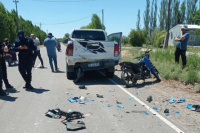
116,37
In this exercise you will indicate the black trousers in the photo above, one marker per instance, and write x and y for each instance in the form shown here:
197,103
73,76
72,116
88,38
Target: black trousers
25,68
1,77
181,53
39,56
4,72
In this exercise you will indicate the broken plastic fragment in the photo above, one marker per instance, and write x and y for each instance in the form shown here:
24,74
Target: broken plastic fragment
155,108
131,98
115,115
118,102
136,93
166,111
120,106
73,99
171,100
109,105
111,91
145,113
99,96
73,126
182,99
149,99
189,106
177,112
167,114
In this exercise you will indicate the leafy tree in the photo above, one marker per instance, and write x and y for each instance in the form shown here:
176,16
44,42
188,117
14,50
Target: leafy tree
191,8
138,21
176,14
146,16
137,38
124,40
66,35
151,22
95,23
155,15
195,18
159,38
182,13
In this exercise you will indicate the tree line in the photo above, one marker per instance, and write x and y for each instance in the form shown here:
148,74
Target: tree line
155,21
8,25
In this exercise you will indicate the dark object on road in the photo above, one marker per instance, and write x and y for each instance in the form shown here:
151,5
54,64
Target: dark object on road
73,126
166,111
54,113
118,102
149,99
99,96
131,72
82,87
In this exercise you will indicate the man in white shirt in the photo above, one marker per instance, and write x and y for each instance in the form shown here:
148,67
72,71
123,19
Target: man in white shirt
37,43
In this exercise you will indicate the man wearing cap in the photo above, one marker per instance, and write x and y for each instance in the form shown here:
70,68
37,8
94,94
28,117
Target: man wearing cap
181,46
51,44
37,43
26,49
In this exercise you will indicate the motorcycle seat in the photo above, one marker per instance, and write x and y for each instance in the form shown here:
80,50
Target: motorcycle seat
138,64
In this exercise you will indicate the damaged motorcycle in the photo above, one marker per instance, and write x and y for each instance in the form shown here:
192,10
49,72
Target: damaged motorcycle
131,72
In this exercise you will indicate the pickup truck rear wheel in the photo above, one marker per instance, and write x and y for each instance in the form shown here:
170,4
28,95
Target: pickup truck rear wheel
70,75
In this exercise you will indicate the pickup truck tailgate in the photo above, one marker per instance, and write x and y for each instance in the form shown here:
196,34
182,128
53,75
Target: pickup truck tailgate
88,51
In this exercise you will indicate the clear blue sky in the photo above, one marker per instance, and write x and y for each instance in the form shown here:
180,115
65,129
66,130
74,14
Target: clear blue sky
119,15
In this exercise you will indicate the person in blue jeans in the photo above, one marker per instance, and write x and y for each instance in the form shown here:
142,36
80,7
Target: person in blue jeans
51,44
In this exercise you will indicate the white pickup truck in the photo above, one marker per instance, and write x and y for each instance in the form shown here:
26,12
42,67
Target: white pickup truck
91,49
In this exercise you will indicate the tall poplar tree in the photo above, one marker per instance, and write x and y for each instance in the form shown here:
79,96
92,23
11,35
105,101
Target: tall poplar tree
146,15
182,13
155,15
138,21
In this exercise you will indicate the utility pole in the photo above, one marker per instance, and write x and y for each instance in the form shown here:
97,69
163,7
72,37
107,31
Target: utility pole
40,32
168,25
102,17
16,1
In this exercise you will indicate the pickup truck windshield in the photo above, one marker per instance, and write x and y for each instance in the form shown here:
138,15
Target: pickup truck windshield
89,35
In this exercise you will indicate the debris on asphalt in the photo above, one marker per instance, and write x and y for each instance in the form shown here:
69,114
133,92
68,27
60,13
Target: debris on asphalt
155,108
82,87
131,98
109,105
73,99
99,96
67,118
115,115
182,100
118,102
145,113
189,106
149,99
194,107
177,112
167,114
159,124
166,111
82,100
111,90
120,106
137,93
74,126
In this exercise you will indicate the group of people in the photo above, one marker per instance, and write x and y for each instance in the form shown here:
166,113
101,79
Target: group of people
28,49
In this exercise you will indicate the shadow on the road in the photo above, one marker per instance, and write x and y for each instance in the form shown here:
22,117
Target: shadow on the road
8,98
97,78
59,71
141,85
12,90
13,65
37,90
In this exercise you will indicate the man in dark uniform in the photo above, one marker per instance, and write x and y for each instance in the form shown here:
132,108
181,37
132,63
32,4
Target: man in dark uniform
26,49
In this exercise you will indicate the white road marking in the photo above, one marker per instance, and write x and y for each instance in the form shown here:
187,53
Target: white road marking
150,109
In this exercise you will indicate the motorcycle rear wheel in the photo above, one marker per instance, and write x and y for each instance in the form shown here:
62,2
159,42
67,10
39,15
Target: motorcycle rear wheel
127,78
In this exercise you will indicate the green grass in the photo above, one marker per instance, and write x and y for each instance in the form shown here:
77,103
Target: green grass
163,59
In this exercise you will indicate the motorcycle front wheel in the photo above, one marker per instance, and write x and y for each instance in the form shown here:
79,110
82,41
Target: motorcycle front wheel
128,78
157,74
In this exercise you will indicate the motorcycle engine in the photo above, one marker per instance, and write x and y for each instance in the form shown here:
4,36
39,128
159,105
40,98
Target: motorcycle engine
146,73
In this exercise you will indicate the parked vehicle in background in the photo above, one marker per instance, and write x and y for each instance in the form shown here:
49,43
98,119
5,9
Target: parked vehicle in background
91,49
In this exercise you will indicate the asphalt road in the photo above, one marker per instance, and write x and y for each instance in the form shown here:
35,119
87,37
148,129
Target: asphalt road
24,111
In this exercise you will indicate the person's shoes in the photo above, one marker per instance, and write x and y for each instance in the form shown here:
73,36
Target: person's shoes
9,86
2,93
42,66
57,69
52,70
30,87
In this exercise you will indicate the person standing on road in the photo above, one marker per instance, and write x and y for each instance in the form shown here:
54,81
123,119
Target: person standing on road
51,44
37,43
3,71
26,49
181,46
